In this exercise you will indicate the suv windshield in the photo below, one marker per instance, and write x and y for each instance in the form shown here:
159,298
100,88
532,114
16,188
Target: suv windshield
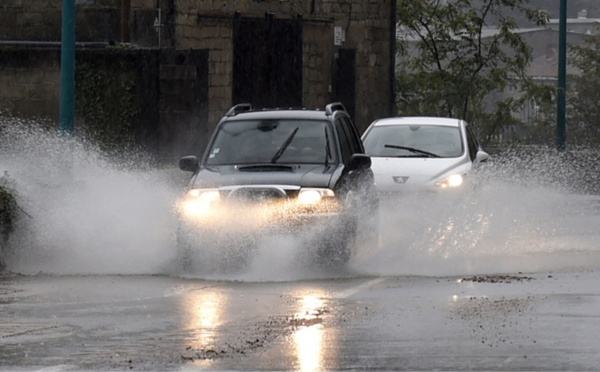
269,141
414,141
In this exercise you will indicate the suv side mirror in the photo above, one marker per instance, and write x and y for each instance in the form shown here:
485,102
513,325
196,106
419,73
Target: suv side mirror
359,161
189,163
481,156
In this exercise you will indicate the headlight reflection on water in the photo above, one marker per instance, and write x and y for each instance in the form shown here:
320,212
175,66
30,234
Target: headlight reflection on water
309,333
458,234
308,342
203,311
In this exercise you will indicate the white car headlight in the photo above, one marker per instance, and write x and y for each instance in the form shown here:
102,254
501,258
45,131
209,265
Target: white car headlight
452,181
198,202
308,196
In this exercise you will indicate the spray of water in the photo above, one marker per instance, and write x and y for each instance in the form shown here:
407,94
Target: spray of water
87,213
83,213
527,212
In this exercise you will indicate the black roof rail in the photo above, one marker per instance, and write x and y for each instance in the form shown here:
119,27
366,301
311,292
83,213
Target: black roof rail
335,106
241,107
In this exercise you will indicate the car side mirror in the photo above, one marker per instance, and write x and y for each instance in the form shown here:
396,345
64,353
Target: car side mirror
481,156
189,163
359,161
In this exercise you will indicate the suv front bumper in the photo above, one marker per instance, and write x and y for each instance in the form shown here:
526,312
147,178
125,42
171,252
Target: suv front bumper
275,217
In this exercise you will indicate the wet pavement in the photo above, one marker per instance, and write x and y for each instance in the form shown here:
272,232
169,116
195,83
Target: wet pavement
504,278
540,321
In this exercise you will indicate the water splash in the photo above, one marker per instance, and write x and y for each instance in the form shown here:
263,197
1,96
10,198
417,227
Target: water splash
526,214
85,213
88,213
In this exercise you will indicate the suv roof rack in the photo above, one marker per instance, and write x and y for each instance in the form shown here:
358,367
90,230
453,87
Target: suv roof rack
335,106
242,107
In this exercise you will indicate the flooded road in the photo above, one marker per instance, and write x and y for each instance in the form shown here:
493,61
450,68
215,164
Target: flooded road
510,322
503,277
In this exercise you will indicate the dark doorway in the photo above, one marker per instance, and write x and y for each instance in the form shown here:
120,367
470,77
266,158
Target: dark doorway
344,79
183,103
267,61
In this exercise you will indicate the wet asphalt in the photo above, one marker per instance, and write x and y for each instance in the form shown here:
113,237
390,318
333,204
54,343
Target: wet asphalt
540,321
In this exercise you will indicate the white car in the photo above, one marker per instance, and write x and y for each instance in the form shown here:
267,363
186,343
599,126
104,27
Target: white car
421,153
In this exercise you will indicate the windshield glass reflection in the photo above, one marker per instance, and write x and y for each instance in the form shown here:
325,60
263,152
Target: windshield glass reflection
412,140
269,142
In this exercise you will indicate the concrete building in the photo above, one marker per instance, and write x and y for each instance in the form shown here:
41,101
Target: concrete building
543,68
271,53
580,25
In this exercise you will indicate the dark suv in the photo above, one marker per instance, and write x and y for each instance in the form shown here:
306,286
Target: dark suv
294,172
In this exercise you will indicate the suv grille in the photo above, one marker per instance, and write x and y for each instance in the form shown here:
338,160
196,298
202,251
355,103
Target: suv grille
257,194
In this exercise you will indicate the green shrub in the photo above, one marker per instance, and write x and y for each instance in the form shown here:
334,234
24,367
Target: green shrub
8,208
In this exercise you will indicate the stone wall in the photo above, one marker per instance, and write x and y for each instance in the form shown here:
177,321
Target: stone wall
41,20
208,24
368,30
318,53
156,98
216,35
30,81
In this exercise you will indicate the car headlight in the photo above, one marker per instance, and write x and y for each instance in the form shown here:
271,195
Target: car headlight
452,181
310,196
204,195
198,202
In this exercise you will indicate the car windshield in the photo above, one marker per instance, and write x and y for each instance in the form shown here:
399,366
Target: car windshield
414,141
279,141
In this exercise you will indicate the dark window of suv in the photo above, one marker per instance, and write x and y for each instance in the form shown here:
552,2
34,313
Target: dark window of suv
344,141
349,139
352,135
269,141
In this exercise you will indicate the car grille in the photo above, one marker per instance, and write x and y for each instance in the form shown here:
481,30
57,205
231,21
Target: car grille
259,194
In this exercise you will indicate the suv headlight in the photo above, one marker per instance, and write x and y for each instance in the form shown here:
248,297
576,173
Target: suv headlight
452,181
311,196
198,202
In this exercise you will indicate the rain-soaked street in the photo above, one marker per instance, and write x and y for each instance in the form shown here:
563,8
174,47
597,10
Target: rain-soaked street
534,321
503,277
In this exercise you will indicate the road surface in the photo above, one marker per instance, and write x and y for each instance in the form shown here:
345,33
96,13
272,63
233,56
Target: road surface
542,321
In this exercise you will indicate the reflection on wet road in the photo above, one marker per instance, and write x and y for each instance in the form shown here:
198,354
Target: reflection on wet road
506,322
309,334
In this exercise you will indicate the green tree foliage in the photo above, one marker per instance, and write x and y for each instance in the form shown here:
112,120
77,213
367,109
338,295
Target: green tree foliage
542,129
8,209
106,99
450,64
584,109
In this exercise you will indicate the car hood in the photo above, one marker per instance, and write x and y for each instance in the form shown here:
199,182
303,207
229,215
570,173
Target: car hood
304,175
400,174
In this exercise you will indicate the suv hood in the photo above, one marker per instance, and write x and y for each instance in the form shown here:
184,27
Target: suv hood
303,175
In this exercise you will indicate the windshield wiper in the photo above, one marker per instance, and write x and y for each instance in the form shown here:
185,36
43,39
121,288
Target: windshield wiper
411,149
284,146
